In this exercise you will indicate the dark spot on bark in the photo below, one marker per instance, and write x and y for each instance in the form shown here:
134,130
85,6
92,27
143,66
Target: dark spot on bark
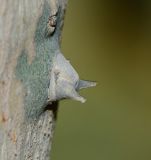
3,82
4,117
52,107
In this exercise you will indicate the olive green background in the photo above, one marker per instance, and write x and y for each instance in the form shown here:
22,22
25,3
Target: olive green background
108,42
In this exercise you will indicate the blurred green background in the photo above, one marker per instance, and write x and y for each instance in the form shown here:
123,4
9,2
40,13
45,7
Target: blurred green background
108,42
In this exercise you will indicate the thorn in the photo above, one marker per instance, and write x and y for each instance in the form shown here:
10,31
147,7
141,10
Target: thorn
85,84
74,95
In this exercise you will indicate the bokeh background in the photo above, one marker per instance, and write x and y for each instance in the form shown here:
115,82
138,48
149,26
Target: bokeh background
108,42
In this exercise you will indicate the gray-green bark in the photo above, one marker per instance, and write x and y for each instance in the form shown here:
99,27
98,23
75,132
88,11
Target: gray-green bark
26,57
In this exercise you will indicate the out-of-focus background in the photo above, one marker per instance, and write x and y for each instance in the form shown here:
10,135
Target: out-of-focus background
108,42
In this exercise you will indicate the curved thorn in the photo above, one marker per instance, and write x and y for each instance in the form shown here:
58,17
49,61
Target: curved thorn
75,96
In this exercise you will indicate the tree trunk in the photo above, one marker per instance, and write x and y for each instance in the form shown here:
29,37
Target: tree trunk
29,40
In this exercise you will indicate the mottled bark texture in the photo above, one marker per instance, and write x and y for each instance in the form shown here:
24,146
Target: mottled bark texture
26,56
